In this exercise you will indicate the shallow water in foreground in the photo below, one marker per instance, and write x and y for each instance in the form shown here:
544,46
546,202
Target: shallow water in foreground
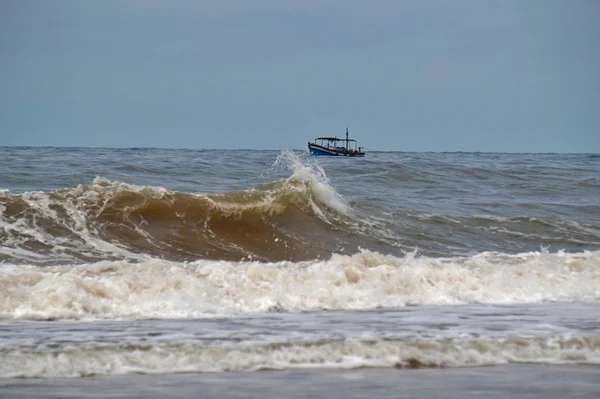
405,338
499,382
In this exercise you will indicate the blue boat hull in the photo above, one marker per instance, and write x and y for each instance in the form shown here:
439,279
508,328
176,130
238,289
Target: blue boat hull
318,150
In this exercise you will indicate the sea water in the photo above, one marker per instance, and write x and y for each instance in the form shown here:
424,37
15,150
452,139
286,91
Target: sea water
154,273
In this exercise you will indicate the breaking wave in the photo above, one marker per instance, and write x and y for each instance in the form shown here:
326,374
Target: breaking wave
161,289
301,217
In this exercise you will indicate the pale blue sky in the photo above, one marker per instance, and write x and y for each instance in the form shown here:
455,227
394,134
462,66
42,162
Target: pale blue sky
423,75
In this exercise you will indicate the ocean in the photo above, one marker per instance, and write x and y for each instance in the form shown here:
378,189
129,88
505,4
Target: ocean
159,273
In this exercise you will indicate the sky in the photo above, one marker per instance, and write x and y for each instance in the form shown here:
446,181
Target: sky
413,75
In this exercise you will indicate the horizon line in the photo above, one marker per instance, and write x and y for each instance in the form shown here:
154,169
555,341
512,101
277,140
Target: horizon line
292,149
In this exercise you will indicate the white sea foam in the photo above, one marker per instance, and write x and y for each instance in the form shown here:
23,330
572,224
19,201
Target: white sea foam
367,280
110,359
313,178
83,238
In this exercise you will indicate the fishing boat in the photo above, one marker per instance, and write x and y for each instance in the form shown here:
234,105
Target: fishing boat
333,146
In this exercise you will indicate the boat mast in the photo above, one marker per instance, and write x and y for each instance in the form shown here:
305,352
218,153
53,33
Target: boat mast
346,140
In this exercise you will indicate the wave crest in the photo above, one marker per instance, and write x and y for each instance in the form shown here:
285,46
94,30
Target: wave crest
289,219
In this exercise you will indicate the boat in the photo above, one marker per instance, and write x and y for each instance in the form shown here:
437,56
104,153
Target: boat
334,146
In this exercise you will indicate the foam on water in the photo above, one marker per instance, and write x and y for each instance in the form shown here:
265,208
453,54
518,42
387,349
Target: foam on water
180,357
367,280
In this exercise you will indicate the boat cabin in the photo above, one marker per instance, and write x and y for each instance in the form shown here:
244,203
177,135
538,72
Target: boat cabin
334,146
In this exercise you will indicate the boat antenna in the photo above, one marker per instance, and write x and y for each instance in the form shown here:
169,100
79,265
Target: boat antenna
346,140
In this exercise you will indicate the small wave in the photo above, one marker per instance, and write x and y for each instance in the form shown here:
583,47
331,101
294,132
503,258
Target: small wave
186,357
137,168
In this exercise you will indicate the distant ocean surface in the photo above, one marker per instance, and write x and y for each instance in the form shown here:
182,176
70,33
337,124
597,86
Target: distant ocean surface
241,273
